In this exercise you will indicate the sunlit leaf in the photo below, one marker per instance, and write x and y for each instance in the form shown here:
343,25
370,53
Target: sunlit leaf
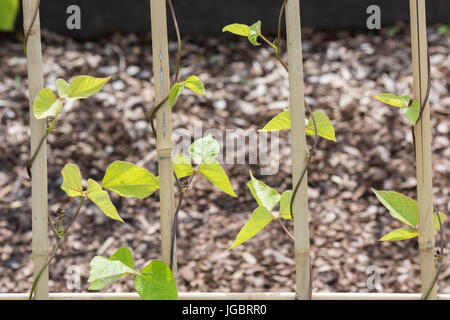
72,180
255,31
436,224
8,14
412,113
258,220
195,84
156,282
265,196
182,166
400,234
46,104
400,207
100,197
393,100
84,86
280,122
175,92
129,180
104,272
285,205
324,126
214,172
237,28
203,149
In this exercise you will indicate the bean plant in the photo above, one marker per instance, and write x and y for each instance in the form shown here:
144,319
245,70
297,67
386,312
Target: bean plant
400,206
318,125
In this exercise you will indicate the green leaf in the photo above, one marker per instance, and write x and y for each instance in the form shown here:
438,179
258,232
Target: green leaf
156,282
400,234
175,92
255,31
285,205
266,196
72,180
8,14
101,198
214,172
84,86
129,180
195,84
203,149
437,227
324,126
258,220
182,166
412,113
393,100
237,28
63,87
46,104
104,272
280,122
400,207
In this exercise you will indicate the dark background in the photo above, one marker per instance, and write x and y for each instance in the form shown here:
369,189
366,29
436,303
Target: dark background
207,17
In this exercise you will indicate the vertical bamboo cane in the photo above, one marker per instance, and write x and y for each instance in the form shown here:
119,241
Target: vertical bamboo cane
422,133
39,170
296,91
163,123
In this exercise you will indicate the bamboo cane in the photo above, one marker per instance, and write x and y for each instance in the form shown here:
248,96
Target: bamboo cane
422,134
39,197
163,124
227,296
296,91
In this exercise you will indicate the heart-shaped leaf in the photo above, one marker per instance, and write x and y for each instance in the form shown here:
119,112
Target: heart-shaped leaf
63,87
214,172
182,166
100,197
400,207
265,196
237,28
255,31
258,220
72,180
84,86
204,148
46,104
195,84
156,282
129,180
175,92
400,234
393,100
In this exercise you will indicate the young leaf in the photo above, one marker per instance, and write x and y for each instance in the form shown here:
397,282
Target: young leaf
129,180
324,126
156,282
258,220
263,194
255,31
195,84
72,180
280,122
213,171
101,198
400,207
393,100
84,86
400,234
182,166
237,28
63,87
436,224
175,92
285,205
412,113
104,272
46,104
204,149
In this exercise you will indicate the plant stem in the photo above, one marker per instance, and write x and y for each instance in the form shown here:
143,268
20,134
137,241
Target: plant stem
58,236
177,30
28,32
285,229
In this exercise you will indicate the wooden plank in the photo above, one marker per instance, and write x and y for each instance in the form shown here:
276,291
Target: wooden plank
422,133
296,92
39,196
163,123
